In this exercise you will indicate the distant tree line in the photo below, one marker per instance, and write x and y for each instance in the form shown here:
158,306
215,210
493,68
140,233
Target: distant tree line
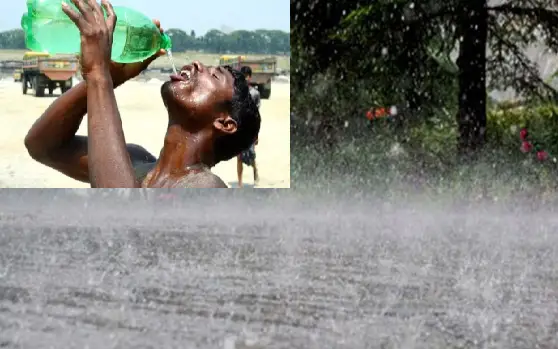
12,40
260,41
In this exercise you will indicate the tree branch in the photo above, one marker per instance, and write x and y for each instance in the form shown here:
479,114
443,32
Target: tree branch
428,16
541,13
515,51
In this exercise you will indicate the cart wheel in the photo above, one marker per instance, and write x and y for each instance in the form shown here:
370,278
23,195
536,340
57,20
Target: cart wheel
39,90
51,87
24,84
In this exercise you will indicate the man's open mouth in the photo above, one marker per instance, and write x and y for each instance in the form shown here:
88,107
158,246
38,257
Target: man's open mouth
185,74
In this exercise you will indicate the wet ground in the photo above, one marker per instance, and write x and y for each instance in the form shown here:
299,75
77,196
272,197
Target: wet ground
272,271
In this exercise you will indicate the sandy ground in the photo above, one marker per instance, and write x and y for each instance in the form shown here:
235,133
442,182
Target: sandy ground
144,119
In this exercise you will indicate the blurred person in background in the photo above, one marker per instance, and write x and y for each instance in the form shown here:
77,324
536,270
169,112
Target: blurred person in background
248,156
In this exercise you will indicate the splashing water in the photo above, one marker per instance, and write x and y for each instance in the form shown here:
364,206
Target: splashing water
294,273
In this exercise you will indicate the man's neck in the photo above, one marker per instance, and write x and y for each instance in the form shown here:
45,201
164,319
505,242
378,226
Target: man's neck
183,150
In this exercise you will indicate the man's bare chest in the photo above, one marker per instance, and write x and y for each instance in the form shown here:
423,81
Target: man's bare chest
192,178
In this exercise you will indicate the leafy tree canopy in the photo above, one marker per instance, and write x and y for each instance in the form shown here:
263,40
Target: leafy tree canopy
417,51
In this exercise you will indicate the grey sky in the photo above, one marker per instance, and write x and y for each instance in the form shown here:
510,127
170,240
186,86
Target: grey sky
200,16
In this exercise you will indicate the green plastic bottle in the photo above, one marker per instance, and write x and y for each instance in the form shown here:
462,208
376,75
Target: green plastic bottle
30,41
48,29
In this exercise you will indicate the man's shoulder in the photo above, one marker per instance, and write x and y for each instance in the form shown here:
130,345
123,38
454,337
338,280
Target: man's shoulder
206,179
203,179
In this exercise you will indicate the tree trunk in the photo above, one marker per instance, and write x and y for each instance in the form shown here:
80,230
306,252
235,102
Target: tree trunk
415,52
471,116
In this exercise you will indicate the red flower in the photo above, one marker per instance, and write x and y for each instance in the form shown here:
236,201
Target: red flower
526,147
542,155
523,134
369,115
380,112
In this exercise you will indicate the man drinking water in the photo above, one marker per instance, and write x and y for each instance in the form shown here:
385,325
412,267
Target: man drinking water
248,156
211,118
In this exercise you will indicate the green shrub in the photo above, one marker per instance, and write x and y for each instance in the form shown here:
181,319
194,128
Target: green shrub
428,158
503,126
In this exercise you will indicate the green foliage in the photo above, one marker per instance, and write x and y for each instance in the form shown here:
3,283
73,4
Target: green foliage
400,37
408,49
422,156
214,41
351,55
433,144
384,43
540,120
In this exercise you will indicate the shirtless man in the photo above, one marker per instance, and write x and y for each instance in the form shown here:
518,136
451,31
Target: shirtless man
248,156
212,118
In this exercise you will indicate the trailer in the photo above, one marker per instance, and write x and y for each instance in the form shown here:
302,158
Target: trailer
263,71
40,71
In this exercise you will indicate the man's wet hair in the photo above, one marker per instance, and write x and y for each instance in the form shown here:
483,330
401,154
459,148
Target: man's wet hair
246,71
244,111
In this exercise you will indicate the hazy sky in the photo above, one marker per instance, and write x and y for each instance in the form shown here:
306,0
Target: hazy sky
200,16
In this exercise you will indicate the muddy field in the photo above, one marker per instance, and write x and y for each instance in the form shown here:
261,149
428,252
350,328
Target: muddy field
273,271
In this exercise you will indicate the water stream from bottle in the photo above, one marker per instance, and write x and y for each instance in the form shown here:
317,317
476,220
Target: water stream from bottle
169,54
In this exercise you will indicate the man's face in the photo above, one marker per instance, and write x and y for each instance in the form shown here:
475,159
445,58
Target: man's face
198,92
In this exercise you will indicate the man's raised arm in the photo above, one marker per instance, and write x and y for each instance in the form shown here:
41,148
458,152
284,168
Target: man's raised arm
110,165
52,139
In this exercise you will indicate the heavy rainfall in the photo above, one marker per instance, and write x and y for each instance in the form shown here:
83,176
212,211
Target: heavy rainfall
271,269
446,111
